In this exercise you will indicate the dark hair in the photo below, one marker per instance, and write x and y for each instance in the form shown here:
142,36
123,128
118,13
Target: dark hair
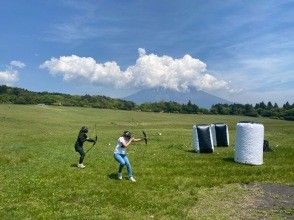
84,129
127,134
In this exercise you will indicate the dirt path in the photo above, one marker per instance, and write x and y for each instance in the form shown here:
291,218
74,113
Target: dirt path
274,199
244,201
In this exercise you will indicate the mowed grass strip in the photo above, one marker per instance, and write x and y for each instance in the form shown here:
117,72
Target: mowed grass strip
38,179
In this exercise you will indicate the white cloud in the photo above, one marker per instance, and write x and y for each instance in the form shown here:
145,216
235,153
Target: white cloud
16,63
8,77
86,69
149,71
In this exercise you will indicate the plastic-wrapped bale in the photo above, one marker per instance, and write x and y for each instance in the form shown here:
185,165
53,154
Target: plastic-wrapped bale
249,143
202,139
213,135
220,134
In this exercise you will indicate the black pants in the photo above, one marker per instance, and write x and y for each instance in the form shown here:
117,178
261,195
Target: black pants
80,150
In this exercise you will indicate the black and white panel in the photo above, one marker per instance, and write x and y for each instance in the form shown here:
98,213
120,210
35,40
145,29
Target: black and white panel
213,135
202,139
195,142
221,135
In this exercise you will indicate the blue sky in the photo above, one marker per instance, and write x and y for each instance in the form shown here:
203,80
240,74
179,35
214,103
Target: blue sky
239,50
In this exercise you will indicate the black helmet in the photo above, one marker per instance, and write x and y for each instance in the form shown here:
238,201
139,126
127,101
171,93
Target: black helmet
84,129
127,134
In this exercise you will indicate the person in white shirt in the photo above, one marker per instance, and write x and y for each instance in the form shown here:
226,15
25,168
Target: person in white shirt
120,154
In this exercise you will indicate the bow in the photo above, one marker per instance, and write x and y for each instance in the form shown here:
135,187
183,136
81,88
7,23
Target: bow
145,137
94,140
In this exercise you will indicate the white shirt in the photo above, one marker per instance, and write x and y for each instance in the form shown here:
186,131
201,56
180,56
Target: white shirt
119,149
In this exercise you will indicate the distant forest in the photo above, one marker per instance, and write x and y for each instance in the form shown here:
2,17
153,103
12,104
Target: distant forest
12,95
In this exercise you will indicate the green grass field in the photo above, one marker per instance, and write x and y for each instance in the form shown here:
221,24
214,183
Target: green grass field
38,179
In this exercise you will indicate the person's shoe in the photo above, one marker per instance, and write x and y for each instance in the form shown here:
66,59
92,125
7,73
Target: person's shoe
119,176
80,165
132,179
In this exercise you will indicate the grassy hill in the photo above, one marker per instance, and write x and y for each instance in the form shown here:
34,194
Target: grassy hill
38,179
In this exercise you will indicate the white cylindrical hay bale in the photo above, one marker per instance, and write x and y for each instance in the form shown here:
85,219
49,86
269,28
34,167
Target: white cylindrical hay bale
249,143
213,134
202,139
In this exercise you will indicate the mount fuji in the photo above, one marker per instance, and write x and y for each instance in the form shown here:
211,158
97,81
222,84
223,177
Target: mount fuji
198,97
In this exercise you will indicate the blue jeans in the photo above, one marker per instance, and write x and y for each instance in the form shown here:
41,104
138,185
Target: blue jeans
122,159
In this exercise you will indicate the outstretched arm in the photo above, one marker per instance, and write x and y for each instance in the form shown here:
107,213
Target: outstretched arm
90,140
127,143
137,139
141,139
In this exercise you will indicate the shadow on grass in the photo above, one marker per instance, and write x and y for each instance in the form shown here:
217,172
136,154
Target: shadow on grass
113,176
229,159
194,152
74,165
190,151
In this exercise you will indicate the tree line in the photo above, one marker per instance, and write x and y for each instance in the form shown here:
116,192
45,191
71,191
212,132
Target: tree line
260,109
286,111
22,96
